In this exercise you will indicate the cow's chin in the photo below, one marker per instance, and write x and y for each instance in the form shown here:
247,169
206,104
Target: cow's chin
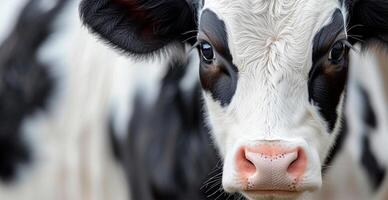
272,195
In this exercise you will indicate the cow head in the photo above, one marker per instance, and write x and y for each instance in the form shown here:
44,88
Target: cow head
273,75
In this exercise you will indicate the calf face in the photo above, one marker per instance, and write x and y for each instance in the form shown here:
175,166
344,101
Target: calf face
273,75
275,110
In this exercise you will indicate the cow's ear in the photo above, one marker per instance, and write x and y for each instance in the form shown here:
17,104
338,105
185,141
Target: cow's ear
140,27
368,19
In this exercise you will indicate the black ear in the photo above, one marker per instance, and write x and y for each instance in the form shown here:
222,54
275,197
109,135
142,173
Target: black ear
140,26
368,19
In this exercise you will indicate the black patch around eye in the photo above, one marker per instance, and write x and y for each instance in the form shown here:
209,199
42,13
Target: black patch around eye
220,80
326,92
324,39
327,79
215,29
218,77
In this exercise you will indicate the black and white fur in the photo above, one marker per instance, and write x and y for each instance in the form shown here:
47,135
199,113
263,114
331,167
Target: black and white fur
26,83
53,136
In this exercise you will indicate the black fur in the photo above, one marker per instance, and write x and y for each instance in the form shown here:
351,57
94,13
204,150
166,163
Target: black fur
25,83
141,26
369,19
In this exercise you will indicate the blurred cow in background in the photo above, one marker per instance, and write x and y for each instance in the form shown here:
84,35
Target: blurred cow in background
359,170
26,83
54,105
367,113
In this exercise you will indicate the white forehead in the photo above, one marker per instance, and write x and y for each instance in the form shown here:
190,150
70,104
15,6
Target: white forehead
272,32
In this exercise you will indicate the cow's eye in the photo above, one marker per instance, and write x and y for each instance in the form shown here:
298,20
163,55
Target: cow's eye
337,52
207,52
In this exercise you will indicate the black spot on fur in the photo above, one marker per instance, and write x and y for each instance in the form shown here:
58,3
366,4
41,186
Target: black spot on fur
375,171
369,116
25,83
114,142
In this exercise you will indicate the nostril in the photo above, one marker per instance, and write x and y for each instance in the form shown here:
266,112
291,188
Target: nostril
245,165
298,166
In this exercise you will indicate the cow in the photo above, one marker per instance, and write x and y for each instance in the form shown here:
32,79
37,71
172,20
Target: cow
273,77
52,106
26,84
366,112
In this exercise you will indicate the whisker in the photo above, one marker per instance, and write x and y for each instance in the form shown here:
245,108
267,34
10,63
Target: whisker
192,31
241,198
211,188
216,169
229,195
214,176
355,35
220,164
215,192
355,26
216,173
192,48
350,46
358,39
192,37
213,182
221,194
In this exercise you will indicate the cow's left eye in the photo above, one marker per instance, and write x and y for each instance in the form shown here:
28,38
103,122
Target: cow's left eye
337,52
207,52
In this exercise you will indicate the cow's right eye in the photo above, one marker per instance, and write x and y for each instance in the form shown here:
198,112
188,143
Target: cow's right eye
207,52
337,52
